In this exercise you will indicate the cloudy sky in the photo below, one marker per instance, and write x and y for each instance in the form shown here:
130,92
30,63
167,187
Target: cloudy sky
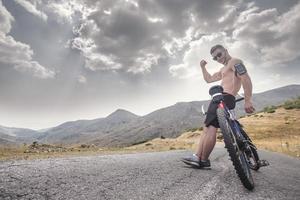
63,60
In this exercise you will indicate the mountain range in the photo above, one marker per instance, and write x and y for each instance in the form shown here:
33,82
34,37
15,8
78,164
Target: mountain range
123,128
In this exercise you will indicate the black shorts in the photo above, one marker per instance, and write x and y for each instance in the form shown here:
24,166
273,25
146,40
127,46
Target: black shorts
211,116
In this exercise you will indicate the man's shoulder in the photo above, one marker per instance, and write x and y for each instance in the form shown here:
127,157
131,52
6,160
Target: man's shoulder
234,61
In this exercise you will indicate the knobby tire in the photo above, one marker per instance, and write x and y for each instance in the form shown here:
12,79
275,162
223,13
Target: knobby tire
241,170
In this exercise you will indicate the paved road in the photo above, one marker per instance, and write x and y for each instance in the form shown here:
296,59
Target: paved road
145,176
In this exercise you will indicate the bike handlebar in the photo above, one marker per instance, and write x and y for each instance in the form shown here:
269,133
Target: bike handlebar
240,99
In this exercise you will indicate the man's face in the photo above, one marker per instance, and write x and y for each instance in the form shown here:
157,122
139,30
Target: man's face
219,55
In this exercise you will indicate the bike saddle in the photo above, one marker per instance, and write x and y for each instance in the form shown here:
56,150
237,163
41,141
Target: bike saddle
216,89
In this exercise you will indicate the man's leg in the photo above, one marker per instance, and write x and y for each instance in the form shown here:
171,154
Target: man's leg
207,142
201,143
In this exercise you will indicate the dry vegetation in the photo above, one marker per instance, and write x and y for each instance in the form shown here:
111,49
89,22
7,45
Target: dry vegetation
187,140
51,151
277,131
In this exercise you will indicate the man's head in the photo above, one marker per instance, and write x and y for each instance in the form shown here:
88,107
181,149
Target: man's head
219,53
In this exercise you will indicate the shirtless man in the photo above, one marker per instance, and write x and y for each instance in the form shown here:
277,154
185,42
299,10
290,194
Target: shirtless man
233,75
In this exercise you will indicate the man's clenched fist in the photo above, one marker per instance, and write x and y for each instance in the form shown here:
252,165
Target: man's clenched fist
203,63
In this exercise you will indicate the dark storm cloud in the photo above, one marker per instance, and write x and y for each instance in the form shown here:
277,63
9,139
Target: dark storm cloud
92,57
134,35
125,39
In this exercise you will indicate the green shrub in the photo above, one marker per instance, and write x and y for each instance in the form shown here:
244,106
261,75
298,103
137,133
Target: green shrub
270,109
292,104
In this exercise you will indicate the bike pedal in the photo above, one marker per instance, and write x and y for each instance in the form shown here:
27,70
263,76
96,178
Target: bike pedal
263,163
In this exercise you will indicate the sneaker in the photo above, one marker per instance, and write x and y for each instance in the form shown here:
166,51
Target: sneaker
205,163
195,161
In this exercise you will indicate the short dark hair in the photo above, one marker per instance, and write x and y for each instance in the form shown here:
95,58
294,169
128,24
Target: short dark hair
217,46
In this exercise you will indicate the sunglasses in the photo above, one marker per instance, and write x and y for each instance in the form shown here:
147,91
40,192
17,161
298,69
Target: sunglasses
218,56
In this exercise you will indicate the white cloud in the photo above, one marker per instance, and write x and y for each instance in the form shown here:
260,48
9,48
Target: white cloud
34,68
199,49
31,6
5,20
94,60
275,36
155,19
13,51
143,64
81,79
18,54
66,11
260,38
132,2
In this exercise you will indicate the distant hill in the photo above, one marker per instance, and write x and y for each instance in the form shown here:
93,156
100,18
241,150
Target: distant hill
6,142
123,128
16,135
85,130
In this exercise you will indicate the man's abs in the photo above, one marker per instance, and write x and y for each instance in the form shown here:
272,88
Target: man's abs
230,82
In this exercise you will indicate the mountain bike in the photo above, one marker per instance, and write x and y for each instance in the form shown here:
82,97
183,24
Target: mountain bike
241,149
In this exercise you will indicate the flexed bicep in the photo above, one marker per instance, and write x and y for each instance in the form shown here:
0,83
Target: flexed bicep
216,76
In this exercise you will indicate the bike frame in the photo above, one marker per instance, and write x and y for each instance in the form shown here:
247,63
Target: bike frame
241,141
232,117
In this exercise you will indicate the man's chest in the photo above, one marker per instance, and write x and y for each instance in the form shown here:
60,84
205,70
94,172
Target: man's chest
227,71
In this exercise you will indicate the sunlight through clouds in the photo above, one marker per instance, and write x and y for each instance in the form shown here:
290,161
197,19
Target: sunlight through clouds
90,57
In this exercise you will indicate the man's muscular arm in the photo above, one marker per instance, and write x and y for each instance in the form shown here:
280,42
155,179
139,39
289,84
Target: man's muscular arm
247,86
207,77
241,72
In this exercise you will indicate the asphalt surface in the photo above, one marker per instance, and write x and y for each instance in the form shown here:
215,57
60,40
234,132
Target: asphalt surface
146,176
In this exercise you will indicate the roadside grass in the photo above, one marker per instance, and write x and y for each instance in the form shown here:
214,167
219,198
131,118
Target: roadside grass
278,131
186,141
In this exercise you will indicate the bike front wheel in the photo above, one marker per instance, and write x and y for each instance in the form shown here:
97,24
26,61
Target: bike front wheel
252,157
251,153
238,157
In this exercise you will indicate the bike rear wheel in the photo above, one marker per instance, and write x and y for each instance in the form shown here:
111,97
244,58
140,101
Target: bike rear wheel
238,157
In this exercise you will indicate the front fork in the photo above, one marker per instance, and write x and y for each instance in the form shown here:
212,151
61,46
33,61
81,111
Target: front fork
241,141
